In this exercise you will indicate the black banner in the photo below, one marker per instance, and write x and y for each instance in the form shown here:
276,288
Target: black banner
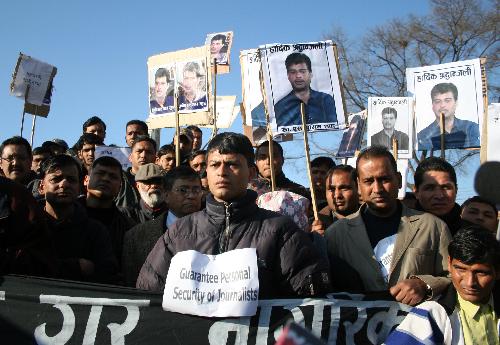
46,311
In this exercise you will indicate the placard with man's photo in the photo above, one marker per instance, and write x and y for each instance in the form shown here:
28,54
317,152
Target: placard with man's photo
302,73
389,119
220,47
192,83
455,90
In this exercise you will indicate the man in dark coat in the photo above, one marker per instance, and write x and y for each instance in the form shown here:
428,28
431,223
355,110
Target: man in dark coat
289,264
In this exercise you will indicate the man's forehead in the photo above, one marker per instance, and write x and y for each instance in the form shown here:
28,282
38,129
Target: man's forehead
480,206
340,176
445,95
108,169
372,164
437,177
15,148
142,145
298,66
69,170
187,182
216,155
134,128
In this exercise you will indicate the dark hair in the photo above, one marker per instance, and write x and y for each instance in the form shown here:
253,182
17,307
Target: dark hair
266,144
390,110
377,151
169,148
107,161
433,164
229,142
219,37
16,140
180,172
322,161
59,162
94,120
194,128
473,244
344,168
296,58
40,150
161,72
196,153
444,88
480,200
139,123
87,138
144,138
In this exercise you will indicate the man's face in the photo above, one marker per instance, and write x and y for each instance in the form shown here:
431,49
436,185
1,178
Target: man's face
142,153
189,82
215,46
103,182
228,175
197,138
378,185
167,161
481,214
16,162
299,76
161,89
262,161
37,161
61,186
132,132
152,192
437,193
444,103
342,193
473,282
319,177
185,197
389,121
87,155
198,164
97,129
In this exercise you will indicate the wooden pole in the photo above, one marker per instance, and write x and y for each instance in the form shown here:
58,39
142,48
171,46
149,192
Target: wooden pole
177,131
336,54
33,128
308,160
214,130
24,108
395,148
269,132
441,125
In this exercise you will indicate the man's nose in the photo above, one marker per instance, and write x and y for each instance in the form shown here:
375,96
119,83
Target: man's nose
470,280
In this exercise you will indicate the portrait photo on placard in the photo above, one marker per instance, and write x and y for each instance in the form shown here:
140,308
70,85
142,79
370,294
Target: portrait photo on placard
302,73
220,46
192,84
391,118
161,89
454,90
352,136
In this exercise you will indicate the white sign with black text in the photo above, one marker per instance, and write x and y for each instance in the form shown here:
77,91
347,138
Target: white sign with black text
213,285
119,153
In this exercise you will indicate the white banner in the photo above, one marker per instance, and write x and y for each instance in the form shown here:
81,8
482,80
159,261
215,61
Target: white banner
493,153
119,153
213,285
37,75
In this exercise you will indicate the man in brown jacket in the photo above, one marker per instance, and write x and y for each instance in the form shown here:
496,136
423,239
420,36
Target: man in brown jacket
385,245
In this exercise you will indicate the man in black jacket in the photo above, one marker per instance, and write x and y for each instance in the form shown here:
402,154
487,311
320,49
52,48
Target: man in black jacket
288,262
183,195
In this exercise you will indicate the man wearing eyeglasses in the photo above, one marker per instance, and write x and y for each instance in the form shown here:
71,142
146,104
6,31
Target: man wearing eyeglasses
183,196
16,160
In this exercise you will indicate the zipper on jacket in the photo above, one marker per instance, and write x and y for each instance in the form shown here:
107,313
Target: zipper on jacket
226,234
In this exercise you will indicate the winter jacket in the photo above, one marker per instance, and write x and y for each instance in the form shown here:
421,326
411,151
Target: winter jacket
288,263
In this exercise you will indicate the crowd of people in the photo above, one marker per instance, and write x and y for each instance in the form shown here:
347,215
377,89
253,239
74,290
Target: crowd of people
67,215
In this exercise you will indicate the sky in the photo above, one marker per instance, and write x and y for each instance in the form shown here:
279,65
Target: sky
100,49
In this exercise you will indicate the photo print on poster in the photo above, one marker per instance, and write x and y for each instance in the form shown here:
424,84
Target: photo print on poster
302,73
192,83
391,118
220,46
353,135
161,89
454,89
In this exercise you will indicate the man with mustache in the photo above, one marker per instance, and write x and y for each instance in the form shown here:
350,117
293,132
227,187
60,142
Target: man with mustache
150,184
289,264
183,197
386,245
436,191
15,160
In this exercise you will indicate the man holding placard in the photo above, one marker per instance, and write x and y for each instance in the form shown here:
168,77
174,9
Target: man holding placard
288,264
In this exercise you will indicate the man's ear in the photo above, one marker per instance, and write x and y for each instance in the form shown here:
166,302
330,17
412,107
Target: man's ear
41,188
449,263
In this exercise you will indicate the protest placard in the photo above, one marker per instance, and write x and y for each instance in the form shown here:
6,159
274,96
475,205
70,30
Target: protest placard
220,49
493,154
121,154
226,112
213,285
353,135
455,90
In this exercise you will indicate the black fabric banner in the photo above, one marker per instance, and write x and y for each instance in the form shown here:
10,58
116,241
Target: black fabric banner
46,311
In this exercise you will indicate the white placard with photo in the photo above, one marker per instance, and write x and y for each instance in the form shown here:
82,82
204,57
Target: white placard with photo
213,285
121,154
